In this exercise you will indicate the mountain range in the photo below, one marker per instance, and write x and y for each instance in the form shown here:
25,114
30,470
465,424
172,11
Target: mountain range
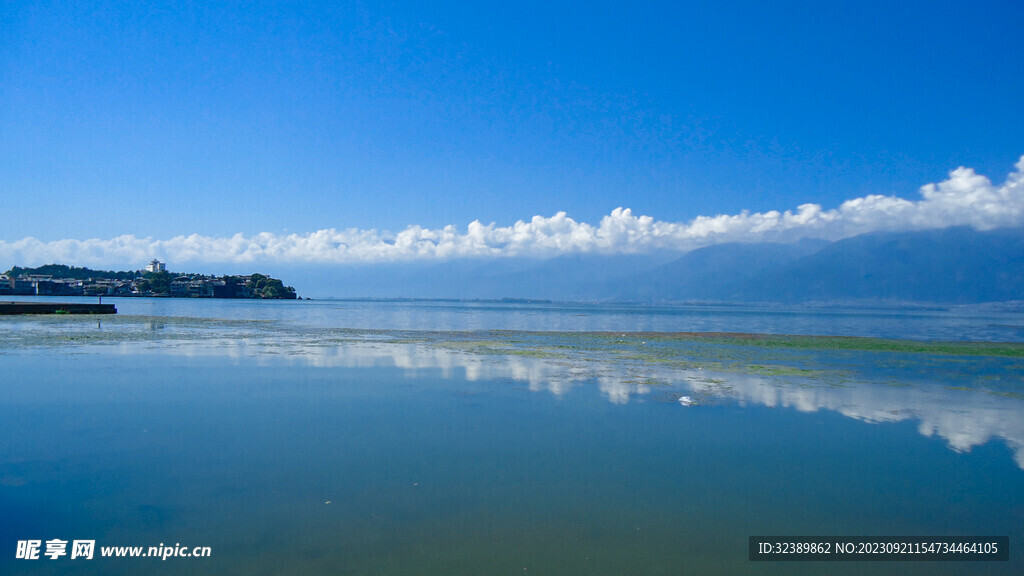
953,265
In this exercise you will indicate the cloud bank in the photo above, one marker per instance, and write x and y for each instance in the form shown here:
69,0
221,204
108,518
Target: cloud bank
965,198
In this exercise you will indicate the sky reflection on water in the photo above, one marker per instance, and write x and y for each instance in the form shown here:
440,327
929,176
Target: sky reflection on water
471,452
963,413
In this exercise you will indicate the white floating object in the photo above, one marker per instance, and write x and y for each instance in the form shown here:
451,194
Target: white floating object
686,401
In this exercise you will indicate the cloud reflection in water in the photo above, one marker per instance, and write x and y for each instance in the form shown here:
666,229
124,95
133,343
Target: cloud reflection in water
964,417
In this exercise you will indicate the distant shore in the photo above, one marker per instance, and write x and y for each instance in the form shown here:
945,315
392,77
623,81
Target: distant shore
155,281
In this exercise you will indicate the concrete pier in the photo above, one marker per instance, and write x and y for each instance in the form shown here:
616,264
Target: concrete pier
10,308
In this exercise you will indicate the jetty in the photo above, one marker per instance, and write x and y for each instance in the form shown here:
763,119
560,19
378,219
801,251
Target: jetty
12,308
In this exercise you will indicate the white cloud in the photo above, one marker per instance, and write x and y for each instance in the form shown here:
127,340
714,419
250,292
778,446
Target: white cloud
966,198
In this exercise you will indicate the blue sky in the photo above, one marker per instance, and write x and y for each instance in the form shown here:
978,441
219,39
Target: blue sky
214,131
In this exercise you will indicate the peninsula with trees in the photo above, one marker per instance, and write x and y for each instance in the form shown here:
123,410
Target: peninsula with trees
153,281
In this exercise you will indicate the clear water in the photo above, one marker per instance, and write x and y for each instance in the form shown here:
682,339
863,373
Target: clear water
291,449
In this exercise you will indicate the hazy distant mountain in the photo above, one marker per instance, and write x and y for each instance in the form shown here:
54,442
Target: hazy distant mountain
574,277
720,272
954,265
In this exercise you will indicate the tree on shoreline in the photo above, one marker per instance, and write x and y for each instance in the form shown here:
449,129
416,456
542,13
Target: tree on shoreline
267,287
75,272
156,282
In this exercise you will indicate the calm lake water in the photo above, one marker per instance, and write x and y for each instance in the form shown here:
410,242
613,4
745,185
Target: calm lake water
987,322
322,438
